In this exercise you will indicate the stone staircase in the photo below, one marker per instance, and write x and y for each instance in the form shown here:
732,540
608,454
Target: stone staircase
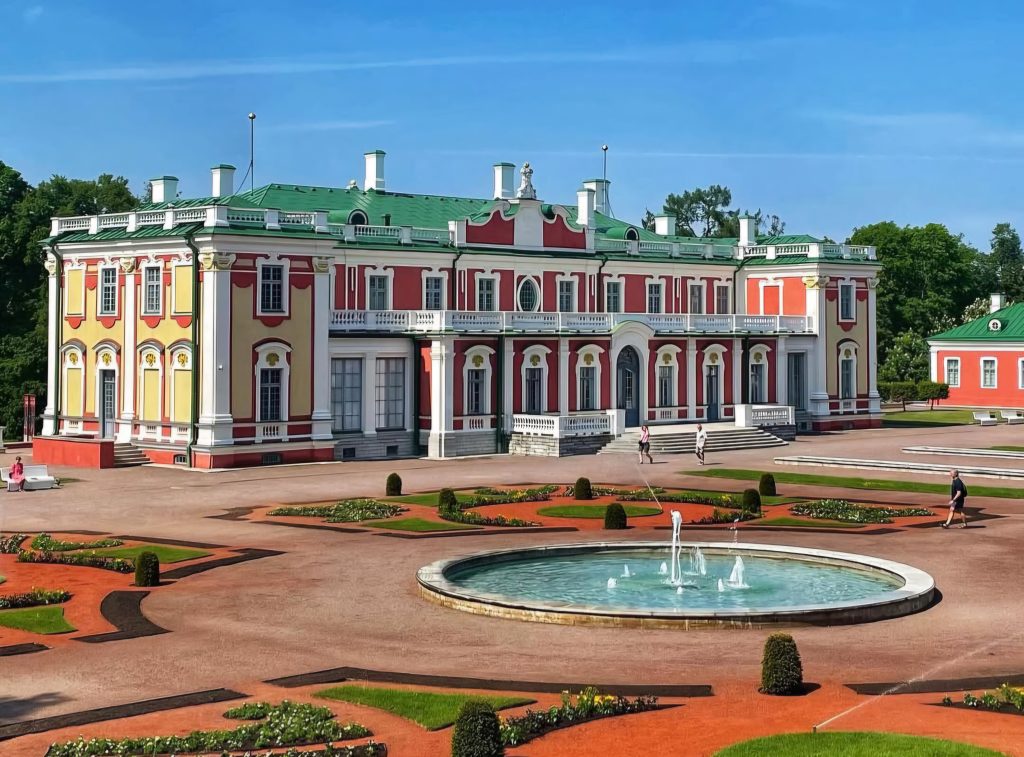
128,456
682,442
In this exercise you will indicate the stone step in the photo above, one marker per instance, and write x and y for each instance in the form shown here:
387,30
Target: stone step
900,466
719,440
128,456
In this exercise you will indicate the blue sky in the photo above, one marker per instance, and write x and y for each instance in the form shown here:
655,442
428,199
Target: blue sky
831,113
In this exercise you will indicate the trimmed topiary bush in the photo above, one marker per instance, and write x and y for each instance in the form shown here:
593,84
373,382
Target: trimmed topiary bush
615,516
447,502
582,489
393,487
147,569
751,501
766,486
782,673
477,732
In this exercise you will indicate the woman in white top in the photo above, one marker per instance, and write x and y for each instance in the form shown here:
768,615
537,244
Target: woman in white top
645,445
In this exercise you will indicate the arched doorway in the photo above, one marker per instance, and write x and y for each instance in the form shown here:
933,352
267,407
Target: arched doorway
628,382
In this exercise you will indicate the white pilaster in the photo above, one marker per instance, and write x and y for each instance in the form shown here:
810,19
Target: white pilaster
321,416
215,421
737,373
508,385
781,371
442,373
52,346
691,378
370,393
129,353
874,399
563,376
818,357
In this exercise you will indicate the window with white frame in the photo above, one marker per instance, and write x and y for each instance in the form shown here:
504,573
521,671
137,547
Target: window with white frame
433,293
654,297
722,303
379,293
271,288
270,394
953,371
485,294
152,290
1020,373
390,392
758,382
846,302
476,391
988,373
613,297
567,296
696,298
666,386
533,390
108,291
528,299
347,394
847,378
587,397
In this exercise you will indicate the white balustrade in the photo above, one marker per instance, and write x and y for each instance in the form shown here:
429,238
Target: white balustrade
535,425
113,221
383,233
439,236
296,219
190,215
562,426
150,218
73,224
179,433
241,215
753,416
265,431
476,422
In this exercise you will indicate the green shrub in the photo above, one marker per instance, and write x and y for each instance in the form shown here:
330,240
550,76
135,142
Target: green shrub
447,502
582,489
393,487
477,732
751,501
147,569
782,673
615,516
766,486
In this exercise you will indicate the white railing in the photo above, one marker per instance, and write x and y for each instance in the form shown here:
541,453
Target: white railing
753,416
439,236
72,427
237,215
149,431
265,431
296,219
113,221
562,426
190,215
807,249
150,218
179,433
475,422
386,233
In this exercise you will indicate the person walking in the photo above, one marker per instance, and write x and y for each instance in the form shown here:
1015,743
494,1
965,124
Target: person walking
957,499
700,443
644,447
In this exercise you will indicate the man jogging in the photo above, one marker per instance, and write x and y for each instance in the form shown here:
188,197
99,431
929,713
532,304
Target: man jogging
701,441
957,499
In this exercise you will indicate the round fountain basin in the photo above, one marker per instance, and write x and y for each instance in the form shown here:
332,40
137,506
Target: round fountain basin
780,585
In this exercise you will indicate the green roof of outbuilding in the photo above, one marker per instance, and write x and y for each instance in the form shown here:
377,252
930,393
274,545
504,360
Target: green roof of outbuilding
1011,327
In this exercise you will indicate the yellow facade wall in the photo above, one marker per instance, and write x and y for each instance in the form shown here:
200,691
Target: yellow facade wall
74,286
181,381
151,389
834,335
73,392
181,289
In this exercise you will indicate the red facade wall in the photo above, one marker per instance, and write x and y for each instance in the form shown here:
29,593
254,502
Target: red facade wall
497,230
1007,392
557,234
73,451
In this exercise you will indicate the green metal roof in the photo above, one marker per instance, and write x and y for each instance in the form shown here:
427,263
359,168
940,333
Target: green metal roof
1010,329
145,232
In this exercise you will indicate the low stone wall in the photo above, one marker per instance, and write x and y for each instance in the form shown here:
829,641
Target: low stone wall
546,446
786,433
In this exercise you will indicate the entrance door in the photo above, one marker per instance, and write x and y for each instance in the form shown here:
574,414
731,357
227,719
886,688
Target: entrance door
108,403
628,382
796,386
712,394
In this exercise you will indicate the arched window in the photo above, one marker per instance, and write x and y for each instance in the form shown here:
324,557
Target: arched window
528,297
588,377
667,377
272,383
535,379
358,218
476,381
632,234
848,371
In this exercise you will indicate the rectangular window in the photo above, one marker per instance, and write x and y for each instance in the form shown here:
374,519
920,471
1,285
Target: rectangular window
758,391
613,297
847,384
270,394
846,300
347,394
696,298
272,289
654,298
566,296
153,289
1020,374
378,293
588,388
476,391
722,304
485,294
108,291
988,373
666,386
953,371
534,396
390,392
433,293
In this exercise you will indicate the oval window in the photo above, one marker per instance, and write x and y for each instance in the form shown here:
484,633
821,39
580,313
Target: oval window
527,296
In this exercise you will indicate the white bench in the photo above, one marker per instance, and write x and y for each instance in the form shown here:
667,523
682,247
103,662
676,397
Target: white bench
36,477
985,418
1012,416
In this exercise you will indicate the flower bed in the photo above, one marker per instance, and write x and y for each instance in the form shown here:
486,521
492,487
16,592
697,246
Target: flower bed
46,543
116,564
345,511
11,545
34,598
847,512
589,704
719,517
1006,698
283,725
490,496
476,519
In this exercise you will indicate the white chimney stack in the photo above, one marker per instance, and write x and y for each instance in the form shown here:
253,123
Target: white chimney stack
585,207
600,187
374,170
504,181
165,188
748,231
665,225
998,302
223,180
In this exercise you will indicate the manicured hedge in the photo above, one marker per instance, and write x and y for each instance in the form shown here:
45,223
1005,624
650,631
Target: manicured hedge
147,569
751,501
582,489
615,517
476,732
766,486
393,486
782,672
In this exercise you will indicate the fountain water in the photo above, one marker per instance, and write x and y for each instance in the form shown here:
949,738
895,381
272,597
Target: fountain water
676,576
679,590
721,586
663,570
698,565
625,572
736,577
612,583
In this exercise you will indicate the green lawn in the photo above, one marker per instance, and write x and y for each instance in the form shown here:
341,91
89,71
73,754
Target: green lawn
1008,448
418,524
786,520
594,511
925,418
48,619
853,482
852,744
165,553
431,710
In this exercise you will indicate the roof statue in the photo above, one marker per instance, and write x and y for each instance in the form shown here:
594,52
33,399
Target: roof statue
526,190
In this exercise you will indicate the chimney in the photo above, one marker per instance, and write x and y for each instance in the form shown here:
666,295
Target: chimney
374,170
665,225
165,188
223,180
748,231
600,187
585,207
998,302
504,181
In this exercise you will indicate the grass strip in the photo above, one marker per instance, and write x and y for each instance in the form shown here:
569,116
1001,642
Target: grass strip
1008,448
853,744
165,553
418,524
594,511
919,418
430,709
44,620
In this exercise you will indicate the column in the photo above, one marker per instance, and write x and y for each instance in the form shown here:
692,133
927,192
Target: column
509,382
737,374
442,374
781,372
321,416
370,393
691,378
50,424
214,354
874,399
129,353
818,357
563,376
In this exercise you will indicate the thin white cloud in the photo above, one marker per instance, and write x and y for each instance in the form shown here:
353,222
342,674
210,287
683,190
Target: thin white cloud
962,128
31,13
326,126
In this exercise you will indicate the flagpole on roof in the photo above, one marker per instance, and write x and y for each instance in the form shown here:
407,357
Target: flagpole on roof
252,144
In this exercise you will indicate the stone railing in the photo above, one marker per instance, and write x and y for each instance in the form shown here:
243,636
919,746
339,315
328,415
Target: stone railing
269,431
808,249
754,416
562,426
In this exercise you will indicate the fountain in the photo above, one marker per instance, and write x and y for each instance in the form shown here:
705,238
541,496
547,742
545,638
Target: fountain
679,590
721,586
663,570
612,583
698,565
625,571
676,577
736,577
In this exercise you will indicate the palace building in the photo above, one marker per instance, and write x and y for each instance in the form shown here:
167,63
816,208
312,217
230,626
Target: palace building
295,323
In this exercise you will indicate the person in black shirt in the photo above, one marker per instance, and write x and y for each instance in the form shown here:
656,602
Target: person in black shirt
957,499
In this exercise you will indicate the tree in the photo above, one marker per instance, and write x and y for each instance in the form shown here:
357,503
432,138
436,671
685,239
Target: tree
648,220
906,360
700,212
1008,260
977,309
